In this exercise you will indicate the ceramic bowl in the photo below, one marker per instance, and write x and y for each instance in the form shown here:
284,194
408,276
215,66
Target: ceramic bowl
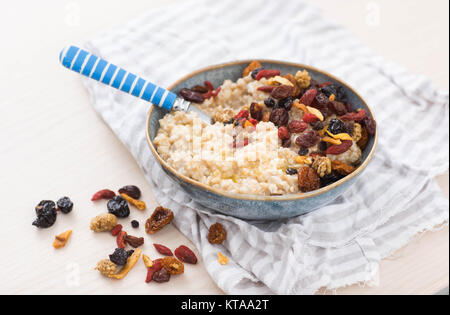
256,207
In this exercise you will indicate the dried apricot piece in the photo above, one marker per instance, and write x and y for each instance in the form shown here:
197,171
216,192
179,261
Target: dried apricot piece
159,219
252,66
137,203
173,265
222,259
62,239
217,234
147,261
308,180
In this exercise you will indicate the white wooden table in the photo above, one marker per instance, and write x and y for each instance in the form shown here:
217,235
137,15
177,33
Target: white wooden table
54,144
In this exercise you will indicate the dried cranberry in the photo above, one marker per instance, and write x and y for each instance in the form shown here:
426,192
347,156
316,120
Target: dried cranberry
270,102
131,190
242,114
279,117
191,96
310,118
307,139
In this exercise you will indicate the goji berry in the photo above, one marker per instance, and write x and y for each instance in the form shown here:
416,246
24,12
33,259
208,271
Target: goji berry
116,230
120,240
209,85
310,118
253,121
216,91
265,73
308,97
103,194
242,114
324,84
266,88
356,116
163,250
341,148
186,255
157,266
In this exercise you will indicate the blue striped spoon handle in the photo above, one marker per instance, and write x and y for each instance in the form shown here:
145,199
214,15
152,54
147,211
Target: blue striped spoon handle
94,67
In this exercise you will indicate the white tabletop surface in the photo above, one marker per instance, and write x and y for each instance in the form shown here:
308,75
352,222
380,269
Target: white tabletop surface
54,144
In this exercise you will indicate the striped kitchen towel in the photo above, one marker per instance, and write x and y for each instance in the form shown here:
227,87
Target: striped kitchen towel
341,243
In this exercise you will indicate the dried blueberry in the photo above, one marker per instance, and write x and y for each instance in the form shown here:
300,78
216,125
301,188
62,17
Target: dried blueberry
131,191
119,207
135,224
270,102
46,214
286,103
291,171
336,126
119,257
303,151
337,90
65,205
255,72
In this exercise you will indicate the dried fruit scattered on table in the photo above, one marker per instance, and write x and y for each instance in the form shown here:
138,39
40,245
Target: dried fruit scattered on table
159,219
256,111
266,73
283,133
217,234
297,126
161,276
46,214
191,96
362,143
356,116
106,267
185,254
119,257
173,265
308,180
103,194
135,224
341,168
322,165
134,241
336,126
65,205
222,259
282,91
163,250
137,203
252,66
308,97
103,222
120,239
147,261
129,265
307,139
279,117
116,230
131,190
155,267
119,207
62,239
341,148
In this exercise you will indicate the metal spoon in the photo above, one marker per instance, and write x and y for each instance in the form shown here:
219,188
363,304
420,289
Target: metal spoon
94,67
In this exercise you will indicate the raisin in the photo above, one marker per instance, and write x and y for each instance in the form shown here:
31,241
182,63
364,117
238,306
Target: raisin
156,266
356,116
135,224
119,257
337,90
119,207
371,125
308,97
191,96
282,91
200,89
291,78
291,171
161,275
131,190
186,255
286,103
318,125
283,133
270,102
65,205
329,179
286,143
320,101
297,126
173,265
134,241
337,107
159,219
103,194
336,126
255,72
307,139
163,250
308,180
341,148
217,234
279,117
46,214
256,111
303,151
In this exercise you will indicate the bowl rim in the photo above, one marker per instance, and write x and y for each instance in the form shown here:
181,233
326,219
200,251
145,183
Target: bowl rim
285,197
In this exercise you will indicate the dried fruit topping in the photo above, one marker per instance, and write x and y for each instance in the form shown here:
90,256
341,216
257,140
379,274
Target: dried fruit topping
337,107
106,267
307,139
147,261
308,180
200,89
279,117
291,171
270,102
321,101
255,72
266,88
315,112
120,239
155,267
356,131
371,125
252,66
103,222
336,126
186,255
266,73
310,118
337,90
282,91
46,214
340,136
283,133
134,241
350,127
286,143
103,194
294,83
329,179
137,203
132,260
356,116
62,239
119,257
297,126
256,111
173,265
161,275
341,168
308,97
217,234
362,143
341,148
242,114
303,151
323,146
65,205
302,159
324,84
131,190
159,219
191,96
303,79
116,230
286,103
318,125
322,165
222,259
331,140
119,207
135,224
163,250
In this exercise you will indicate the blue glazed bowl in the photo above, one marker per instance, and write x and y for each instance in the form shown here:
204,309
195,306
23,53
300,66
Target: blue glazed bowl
256,207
